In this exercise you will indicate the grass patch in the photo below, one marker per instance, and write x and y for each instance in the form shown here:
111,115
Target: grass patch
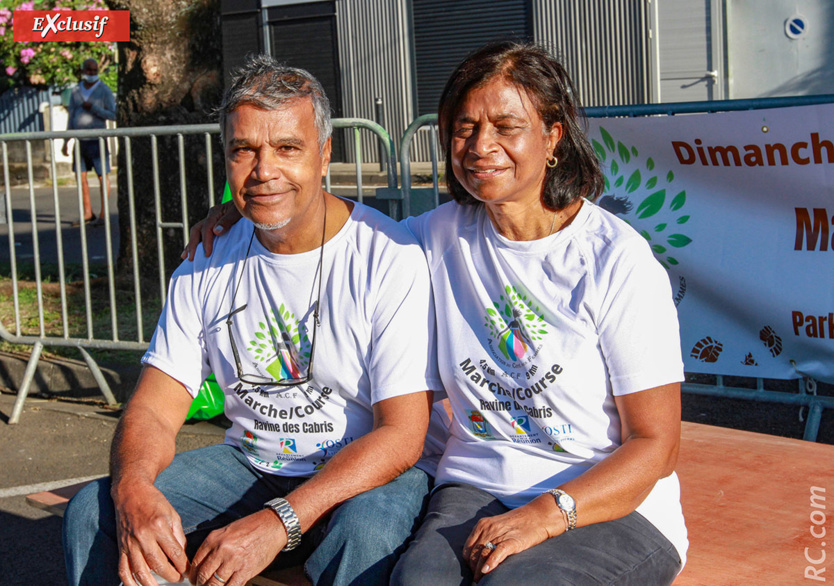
70,317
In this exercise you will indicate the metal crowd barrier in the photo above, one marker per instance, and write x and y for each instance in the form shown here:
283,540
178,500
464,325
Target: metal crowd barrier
39,338
415,200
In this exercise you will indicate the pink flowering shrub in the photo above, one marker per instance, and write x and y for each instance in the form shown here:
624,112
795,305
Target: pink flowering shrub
49,64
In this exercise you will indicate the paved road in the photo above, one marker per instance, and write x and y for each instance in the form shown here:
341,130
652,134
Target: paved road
55,442
45,220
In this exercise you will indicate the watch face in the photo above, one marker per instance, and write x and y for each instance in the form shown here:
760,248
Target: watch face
566,502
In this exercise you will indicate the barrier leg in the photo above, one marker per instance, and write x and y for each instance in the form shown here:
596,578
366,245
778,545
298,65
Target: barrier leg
812,425
99,376
28,375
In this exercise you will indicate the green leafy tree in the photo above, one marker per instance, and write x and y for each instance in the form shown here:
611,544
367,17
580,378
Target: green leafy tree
50,64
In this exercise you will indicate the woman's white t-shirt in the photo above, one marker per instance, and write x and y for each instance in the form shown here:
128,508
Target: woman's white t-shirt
536,338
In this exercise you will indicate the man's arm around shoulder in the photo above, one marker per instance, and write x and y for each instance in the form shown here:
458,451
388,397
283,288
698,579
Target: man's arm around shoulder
150,533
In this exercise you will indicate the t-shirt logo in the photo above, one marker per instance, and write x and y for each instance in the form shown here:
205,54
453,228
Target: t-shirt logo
480,428
281,344
515,323
249,442
521,425
286,445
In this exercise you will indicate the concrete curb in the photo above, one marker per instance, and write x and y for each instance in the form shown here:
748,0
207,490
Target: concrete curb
66,378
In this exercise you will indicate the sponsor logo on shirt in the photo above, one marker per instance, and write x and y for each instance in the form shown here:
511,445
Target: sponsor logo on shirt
287,449
479,426
516,328
249,442
274,465
286,445
521,424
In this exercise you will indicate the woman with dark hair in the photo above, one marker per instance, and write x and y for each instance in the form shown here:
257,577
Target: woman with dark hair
558,347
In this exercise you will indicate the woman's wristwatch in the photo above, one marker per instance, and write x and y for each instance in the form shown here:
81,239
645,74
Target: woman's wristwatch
290,520
567,505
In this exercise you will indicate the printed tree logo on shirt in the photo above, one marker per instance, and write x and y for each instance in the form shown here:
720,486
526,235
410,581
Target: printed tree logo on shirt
516,323
281,344
659,217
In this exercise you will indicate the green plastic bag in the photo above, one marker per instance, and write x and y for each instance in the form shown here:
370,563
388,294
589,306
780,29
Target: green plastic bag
209,401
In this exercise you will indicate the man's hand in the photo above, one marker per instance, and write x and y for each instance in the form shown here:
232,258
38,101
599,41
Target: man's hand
65,148
86,105
240,551
219,219
149,530
150,537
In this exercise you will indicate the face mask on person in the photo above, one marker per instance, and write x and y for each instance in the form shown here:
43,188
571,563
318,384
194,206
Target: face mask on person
90,78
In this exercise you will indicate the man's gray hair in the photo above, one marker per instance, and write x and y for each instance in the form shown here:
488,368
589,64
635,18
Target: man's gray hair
264,83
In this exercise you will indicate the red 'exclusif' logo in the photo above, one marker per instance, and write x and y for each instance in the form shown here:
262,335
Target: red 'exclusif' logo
40,26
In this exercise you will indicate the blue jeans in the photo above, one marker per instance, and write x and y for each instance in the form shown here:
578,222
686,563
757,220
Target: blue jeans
626,551
213,486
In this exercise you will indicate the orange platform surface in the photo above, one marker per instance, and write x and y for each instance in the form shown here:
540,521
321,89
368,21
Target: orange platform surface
751,502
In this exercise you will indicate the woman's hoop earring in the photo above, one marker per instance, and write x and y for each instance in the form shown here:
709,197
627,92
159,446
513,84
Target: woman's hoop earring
552,162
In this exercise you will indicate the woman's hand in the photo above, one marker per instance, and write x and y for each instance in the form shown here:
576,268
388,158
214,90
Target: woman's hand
511,533
219,219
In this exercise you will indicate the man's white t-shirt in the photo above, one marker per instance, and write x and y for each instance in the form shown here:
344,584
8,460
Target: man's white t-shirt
374,342
536,338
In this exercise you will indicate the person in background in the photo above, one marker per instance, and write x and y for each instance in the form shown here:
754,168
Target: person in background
91,105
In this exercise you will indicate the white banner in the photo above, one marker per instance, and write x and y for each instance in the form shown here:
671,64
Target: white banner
738,207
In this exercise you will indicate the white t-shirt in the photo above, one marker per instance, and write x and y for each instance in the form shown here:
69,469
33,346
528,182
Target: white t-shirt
534,341
374,342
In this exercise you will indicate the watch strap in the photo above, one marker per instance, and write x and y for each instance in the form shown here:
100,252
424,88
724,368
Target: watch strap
290,520
569,514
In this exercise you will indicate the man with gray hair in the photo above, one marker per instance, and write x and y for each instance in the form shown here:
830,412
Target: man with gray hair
314,314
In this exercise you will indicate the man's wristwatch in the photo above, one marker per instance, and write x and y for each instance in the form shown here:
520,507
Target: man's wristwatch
290,520
567,505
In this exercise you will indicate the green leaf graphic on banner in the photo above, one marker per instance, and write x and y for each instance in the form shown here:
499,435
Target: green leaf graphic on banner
678,240
625,156
599,150
652,204
633,193
606,138
633,181
678,202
